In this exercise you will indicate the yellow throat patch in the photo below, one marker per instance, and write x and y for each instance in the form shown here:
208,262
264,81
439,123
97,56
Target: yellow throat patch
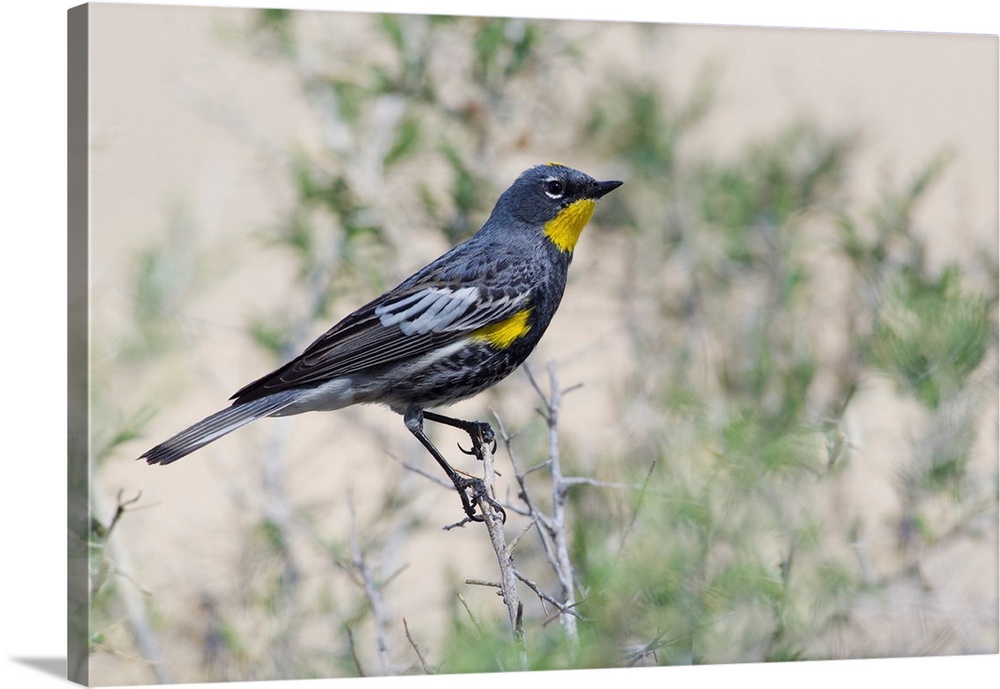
503,334
564,229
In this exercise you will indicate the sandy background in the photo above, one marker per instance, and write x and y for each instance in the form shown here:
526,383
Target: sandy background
181,119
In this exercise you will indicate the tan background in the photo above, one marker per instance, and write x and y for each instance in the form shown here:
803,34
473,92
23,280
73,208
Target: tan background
182,117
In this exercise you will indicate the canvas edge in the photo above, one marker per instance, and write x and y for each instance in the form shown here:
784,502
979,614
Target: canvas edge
78,327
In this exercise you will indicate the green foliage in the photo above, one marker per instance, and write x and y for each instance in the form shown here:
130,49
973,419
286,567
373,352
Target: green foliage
126,429
277,25
503,48
468,192
478,645
931,333
165,276
408,136
774,181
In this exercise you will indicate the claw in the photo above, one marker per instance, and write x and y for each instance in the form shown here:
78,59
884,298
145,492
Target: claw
478,492
481,434
495,505
482,495
486,434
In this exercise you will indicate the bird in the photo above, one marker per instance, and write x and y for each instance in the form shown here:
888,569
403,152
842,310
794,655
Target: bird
456,327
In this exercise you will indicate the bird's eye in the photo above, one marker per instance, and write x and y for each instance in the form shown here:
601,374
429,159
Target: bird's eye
554,188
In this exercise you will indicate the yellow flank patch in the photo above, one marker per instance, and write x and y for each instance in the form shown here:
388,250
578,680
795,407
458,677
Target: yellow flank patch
504,333
564,229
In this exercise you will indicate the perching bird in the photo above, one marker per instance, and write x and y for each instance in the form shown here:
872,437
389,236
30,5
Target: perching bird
456,327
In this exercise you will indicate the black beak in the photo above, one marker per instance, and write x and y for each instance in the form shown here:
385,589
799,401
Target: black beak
599,189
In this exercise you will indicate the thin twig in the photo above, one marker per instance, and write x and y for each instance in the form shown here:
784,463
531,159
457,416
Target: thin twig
596,482
528,527
388,579
472,617
416,649
544,596
426,474
456,525
537,467
120,510
638,504
354,652
480,582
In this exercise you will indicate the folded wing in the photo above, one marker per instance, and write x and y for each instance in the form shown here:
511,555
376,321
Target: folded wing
407,322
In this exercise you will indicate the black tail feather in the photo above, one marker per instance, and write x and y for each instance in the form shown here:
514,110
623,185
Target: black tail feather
215,426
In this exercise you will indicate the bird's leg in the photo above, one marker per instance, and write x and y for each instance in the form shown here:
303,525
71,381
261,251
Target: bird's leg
480,432
414,420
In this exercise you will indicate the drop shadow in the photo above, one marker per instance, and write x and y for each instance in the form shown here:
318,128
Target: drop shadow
55,666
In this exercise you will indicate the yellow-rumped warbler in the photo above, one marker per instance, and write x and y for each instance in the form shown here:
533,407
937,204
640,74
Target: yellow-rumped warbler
456,327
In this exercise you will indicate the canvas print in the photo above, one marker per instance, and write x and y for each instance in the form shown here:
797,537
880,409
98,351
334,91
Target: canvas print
410,344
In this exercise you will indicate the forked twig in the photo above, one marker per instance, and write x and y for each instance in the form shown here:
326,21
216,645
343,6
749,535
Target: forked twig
556,524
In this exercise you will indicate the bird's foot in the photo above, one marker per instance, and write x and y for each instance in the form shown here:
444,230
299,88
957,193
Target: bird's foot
482,435
473,491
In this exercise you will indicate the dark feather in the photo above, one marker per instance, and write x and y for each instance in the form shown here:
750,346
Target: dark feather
360,341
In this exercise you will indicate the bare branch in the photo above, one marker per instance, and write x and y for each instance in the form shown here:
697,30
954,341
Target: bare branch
508,578
372,592
539,519
560,493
